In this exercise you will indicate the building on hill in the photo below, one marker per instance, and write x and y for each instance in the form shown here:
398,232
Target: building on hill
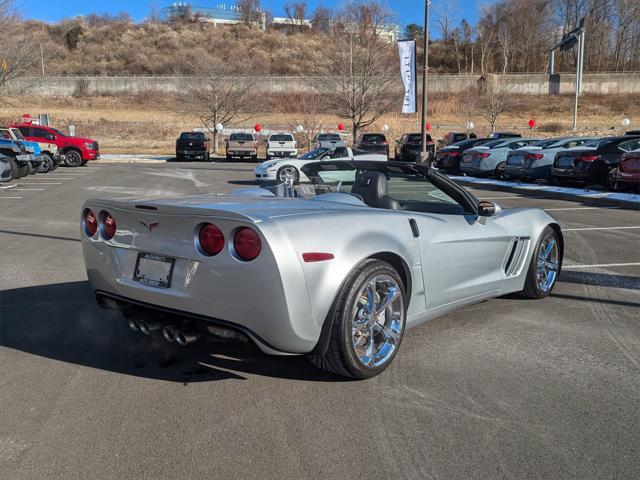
221,14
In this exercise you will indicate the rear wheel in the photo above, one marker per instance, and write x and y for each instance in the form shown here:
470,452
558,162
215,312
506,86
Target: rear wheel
501,173
288,174
544,267
24,170
48,163
368,322
73,158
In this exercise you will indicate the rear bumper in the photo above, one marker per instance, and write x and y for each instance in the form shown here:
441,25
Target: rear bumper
519,171
628,178
282,153
242,153
254,298
571,175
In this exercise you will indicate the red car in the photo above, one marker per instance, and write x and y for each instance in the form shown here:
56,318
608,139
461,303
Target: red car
627,175
77,150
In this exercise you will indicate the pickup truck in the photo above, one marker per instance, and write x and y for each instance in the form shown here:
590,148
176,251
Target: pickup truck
329,140
19,157
40,162
77,151
281,145
192,145
242,145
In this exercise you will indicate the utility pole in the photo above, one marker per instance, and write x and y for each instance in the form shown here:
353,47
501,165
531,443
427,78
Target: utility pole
42,58
424,156
579,67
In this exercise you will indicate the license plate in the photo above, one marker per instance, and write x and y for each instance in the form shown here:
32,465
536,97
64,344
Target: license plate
154,270
565,162
516,160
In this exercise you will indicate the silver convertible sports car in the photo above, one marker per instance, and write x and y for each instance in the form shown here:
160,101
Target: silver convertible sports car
336,270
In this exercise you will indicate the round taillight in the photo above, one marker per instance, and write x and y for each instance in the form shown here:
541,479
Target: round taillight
90,223
247,244
210,239
108,226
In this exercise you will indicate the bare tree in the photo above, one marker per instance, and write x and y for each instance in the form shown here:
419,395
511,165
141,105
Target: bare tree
249,11
226,94
296,12
309,116
18,52
321,19
364,83
492,103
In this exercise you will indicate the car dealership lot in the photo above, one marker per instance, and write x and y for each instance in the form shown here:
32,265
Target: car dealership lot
506,388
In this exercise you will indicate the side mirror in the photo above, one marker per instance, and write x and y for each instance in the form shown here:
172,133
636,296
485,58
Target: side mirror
50,136
488,209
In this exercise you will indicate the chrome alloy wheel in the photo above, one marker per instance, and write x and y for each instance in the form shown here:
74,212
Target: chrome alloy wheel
287,175
378,320
547,265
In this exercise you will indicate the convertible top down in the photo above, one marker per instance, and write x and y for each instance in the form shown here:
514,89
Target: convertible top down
337,269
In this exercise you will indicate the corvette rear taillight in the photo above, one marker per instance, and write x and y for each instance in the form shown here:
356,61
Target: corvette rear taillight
247,244
109,226
210,239
588,158
534,156
90,223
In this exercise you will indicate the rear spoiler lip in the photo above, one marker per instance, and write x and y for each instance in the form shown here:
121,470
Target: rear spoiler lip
170,210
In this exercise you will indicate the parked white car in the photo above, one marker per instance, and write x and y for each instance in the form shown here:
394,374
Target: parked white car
281,145
288,170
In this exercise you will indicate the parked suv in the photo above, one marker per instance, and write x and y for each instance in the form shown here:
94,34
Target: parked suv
18,155
192,145
41,161
592,162
409,146
242,145
374,143
281,145
77,151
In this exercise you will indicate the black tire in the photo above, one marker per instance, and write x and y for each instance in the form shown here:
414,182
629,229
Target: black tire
84,162
24,170
341,357
286,170
15,170
73,158
610,183
532,288
500,172
47,165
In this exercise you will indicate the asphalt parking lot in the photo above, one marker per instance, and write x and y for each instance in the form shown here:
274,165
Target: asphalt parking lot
507,388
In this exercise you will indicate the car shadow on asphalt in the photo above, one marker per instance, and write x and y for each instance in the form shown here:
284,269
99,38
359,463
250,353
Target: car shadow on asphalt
627,282
62,322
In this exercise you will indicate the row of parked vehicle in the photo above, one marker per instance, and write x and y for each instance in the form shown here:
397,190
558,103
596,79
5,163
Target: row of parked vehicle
28,148
612,162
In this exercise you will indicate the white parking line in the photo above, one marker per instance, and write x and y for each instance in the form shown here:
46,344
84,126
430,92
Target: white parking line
62,178
576,208
13,198
41,183
500,198
598,228
602,265
20,189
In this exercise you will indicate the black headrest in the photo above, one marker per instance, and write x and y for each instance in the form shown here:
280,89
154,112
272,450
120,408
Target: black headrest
372,187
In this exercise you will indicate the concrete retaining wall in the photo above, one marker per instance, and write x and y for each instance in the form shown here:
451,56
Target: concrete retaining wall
532,84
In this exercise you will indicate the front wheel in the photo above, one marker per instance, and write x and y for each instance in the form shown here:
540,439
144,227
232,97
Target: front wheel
73,158
47,165
288,174
545,265
368,322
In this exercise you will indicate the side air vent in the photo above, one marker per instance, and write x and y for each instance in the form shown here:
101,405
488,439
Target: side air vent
517,255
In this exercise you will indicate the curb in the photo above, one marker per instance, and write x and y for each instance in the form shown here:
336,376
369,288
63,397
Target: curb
588,197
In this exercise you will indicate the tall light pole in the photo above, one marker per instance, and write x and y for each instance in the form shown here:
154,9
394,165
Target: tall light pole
424,155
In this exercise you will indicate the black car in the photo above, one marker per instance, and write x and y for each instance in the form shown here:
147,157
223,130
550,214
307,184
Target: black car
448,158
505,135
592,162
409,147
192,145
374,143
632,132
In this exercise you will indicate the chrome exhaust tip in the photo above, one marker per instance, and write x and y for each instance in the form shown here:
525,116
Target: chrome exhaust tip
169,333
134,325
185,338
147,328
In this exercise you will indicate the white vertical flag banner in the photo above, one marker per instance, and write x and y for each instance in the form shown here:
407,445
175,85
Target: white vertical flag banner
407,50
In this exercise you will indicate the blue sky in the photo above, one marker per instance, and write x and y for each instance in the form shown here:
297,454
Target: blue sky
408,11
